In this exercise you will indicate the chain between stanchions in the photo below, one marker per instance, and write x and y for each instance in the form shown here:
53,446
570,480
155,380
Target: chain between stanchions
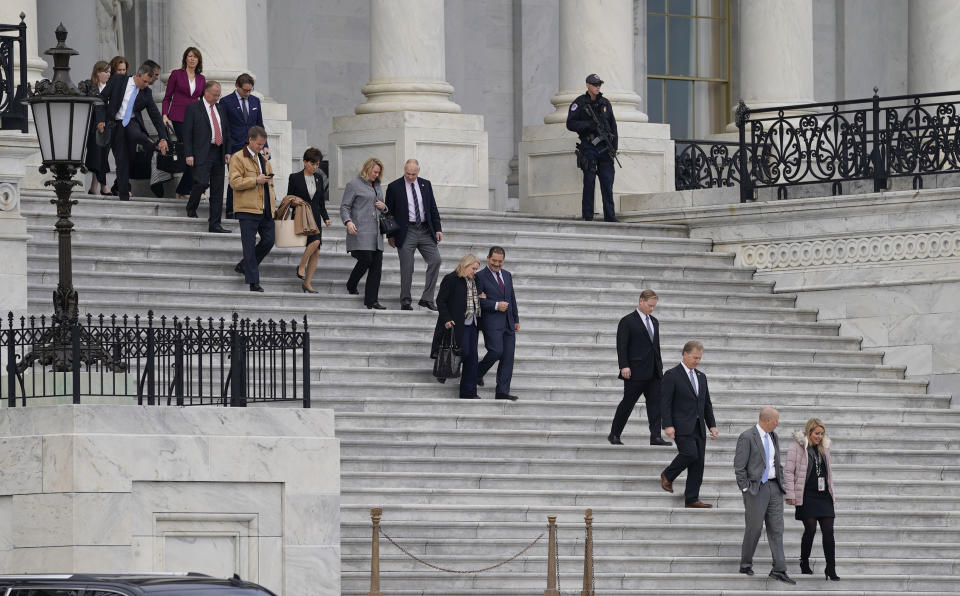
438,568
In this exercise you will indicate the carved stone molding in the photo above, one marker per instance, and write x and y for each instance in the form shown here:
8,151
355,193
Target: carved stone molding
849,251
9,197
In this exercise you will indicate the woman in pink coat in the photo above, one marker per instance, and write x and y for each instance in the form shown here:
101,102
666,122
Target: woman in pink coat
184,87
809,483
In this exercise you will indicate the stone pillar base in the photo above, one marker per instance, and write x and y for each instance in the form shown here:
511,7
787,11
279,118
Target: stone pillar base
128,489
451,149
16,151
551,184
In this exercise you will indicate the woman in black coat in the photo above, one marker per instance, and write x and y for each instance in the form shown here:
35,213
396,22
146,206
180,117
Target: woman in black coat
310,184
458,303
96,160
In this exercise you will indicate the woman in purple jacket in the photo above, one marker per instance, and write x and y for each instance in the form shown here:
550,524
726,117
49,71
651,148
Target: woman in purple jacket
184,86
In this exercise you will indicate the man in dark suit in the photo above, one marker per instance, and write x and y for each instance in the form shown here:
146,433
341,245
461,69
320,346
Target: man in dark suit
243,111
205,141
687,414
500,321
124,98
759,471
641,367
410,200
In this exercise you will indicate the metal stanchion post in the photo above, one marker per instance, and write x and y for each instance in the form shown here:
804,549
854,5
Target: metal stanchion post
375,514
552,557
588,555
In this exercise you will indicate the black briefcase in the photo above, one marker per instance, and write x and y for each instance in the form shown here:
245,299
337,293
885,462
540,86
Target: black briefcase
172,162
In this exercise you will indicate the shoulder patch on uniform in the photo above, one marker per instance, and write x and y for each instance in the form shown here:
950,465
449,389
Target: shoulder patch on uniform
573,107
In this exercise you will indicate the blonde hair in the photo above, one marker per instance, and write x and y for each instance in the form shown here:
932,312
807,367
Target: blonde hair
466,261
811,426
368,165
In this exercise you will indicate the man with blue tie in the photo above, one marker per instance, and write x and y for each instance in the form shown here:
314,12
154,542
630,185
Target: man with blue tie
500,321
124,98
243,111
759,472
687,414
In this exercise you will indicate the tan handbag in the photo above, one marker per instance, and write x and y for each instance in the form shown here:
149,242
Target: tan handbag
284,228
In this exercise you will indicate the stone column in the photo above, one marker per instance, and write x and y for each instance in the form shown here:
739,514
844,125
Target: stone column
776,52
218,28
409,113
595,36
933,62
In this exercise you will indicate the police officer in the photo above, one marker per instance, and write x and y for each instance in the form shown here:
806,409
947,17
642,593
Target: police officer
594,155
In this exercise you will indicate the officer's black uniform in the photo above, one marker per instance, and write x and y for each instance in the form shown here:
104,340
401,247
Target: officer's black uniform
599,160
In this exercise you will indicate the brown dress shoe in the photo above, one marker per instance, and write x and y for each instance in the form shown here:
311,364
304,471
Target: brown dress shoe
698,505
665,484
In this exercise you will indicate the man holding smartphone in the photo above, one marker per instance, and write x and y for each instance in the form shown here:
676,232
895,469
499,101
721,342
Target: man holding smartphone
251,179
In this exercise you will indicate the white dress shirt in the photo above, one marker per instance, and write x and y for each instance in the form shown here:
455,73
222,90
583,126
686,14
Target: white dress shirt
770,457
213,136
311,185
126,99
696,381
257,161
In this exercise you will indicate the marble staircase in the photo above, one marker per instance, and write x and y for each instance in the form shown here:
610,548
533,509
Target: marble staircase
466,484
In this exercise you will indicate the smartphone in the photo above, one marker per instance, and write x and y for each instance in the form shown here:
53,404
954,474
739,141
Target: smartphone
269,175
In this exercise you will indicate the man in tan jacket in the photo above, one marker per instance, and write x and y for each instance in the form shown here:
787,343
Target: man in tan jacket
251,179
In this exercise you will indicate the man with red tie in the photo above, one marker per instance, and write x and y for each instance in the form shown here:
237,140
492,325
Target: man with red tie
206,138
500,321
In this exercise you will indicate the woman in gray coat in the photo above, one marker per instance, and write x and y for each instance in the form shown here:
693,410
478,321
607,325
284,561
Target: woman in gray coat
359,210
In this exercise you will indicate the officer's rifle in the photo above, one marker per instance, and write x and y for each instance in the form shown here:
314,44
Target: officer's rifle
603,132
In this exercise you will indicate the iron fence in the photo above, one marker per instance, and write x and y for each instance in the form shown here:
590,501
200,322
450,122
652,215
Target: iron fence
156,361
13,78
835,143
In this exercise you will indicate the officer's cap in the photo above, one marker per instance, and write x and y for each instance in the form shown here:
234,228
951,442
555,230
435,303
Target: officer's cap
594,80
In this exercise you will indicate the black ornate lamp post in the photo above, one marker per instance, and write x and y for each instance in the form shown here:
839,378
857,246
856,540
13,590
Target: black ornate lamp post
62,117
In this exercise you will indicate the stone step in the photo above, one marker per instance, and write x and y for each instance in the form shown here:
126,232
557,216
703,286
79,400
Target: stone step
377,442
750,378
531,427
547,364
433,548
120,272
658,591
356,527
587,483
546,308
452,218
144,246
534,563
720,583
619,468
360,395
457,240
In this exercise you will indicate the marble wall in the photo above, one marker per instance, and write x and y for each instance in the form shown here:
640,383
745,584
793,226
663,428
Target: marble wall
253,491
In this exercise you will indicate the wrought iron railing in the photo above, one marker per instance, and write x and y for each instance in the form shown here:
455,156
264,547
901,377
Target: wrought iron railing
13,112
157,361
836,143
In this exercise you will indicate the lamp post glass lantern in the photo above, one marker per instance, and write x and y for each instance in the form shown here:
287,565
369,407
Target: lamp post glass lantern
62,117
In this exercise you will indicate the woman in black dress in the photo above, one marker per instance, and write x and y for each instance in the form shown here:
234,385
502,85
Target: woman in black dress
96,160
310,184
808,476
458,306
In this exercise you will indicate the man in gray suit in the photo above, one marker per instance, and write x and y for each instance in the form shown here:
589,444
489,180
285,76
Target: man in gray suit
759,472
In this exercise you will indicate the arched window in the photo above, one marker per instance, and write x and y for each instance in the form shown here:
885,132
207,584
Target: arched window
688,66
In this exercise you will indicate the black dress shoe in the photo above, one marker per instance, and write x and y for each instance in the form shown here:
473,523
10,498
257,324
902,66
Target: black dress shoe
353,291
255,288
231,215
238,268
157,190
298,273
782,576
614,440
746,570
376,306
469,397
406,307
428,304
506,396
659,441
192,213
219,230
307,290
614,220
480,382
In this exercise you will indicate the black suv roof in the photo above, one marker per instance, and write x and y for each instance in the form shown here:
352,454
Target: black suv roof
140,584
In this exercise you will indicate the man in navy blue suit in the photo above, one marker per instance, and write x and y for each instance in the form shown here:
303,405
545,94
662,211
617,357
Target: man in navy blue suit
500,321
243,112
410,200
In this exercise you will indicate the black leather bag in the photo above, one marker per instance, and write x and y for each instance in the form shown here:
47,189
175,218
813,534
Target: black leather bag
172,162
388,225
103,139
447,364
